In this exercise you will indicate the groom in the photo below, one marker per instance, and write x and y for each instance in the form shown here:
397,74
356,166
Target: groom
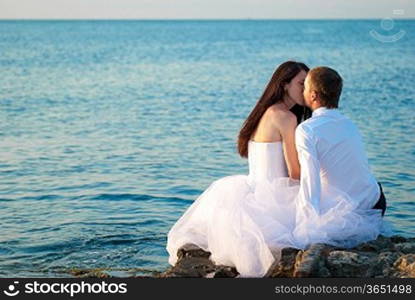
330,148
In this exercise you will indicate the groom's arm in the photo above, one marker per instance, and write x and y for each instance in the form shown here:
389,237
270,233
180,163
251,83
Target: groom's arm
310,188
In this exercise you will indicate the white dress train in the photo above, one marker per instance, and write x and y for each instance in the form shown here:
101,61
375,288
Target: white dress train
245,220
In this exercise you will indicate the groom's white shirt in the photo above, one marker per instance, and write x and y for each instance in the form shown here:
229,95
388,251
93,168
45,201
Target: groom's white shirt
331,151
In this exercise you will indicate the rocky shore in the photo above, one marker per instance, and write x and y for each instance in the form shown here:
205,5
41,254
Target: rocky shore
391,257
385,257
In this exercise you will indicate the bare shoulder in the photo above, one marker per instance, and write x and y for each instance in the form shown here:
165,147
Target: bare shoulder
283,118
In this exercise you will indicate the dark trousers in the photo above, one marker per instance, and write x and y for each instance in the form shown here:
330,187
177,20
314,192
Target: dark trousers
381,204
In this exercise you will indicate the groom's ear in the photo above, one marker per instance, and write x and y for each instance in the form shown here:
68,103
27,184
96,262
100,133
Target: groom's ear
313,95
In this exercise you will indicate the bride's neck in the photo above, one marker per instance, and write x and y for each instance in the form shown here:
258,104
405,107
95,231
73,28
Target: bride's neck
288,102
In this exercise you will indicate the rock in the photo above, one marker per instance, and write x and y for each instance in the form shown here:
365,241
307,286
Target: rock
348,264
381,265
405,266
380,244
190,250
285,266
312,262
405,247
89,273
398,239
384,257
194,262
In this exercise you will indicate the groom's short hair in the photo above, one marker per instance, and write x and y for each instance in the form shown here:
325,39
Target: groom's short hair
328,85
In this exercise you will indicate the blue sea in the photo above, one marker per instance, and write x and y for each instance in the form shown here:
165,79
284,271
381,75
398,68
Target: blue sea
109,130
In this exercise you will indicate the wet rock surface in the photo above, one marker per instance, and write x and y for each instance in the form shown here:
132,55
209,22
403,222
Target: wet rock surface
392,257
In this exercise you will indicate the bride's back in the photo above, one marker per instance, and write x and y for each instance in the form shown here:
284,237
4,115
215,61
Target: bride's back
267,131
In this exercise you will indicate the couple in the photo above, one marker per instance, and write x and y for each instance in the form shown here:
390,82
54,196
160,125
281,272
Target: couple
308,182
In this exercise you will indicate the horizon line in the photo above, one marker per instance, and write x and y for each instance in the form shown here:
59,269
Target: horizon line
197,19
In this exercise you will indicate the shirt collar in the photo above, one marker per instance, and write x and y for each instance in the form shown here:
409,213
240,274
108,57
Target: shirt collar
323,110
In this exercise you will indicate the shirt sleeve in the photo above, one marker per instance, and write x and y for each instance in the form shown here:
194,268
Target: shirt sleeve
310,186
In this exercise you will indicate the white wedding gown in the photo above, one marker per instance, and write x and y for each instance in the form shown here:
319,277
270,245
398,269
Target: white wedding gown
245,220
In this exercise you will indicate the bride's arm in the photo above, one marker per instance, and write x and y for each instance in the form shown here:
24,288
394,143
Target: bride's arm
287,126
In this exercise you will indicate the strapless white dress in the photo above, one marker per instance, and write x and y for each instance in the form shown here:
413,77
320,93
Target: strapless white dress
245,220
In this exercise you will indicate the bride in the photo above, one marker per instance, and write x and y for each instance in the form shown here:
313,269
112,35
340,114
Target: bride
245,220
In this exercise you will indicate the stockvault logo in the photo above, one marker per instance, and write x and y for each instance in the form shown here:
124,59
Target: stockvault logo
12,291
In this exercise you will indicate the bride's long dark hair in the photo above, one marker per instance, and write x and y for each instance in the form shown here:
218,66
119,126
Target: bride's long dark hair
272,94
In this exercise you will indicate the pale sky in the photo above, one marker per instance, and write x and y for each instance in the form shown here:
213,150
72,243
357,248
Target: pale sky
206,9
